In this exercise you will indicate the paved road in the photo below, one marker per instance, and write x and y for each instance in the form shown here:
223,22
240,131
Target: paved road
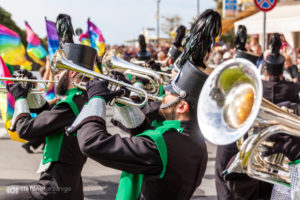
18,168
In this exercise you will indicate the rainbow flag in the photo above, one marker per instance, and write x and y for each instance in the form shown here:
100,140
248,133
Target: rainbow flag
52,38
84,39
12,50
96,38
7,102
34,48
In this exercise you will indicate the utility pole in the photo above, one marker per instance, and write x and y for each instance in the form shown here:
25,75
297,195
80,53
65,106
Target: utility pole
198,8
157,21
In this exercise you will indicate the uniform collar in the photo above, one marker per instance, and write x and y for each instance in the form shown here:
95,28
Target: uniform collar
171,122
174,124
72,91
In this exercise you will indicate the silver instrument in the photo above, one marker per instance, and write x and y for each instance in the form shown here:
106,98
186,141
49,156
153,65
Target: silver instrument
165,76
231,102
23,81
112,63
59,62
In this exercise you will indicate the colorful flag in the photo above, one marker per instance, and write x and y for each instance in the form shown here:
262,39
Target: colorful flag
7,102
34,48
52,38
85,39
12,50
96,38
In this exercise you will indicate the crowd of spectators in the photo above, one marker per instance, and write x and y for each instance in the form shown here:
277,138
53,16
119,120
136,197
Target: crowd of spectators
221,52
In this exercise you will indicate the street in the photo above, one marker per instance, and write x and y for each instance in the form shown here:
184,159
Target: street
19,168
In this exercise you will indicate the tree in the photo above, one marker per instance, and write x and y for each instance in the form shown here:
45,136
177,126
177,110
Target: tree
170,23
5,19
219,6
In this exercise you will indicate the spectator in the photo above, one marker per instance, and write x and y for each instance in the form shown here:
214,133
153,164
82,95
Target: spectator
291,70
227,56
258,51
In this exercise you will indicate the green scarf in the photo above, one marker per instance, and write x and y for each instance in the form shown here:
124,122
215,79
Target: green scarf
54,141
130,185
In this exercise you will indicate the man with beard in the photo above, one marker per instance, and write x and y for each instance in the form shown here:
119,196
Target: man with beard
62,159
162,161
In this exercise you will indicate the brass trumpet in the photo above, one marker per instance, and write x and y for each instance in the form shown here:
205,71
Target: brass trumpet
165,76
59,62
25,80
111,62
231,102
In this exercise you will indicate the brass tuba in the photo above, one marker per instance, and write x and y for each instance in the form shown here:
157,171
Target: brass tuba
231,102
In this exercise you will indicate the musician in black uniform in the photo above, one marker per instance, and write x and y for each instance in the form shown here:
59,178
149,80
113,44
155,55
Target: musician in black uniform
279,92
143,54
62,160
163,162
226,152
275,88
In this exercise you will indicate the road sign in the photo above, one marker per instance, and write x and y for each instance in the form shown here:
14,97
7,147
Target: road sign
265,5
230,8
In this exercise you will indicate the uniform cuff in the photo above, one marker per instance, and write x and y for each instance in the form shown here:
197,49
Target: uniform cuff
95,109
129,116
21,110
36,101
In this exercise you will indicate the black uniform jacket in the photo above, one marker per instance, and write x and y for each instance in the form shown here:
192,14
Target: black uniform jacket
281,91
63,175
187,157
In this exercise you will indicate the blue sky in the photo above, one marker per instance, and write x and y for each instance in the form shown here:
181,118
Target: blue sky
119,20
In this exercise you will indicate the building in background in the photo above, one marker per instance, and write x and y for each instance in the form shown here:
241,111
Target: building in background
284,19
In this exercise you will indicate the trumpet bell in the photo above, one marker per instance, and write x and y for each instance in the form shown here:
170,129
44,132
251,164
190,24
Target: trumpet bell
229,101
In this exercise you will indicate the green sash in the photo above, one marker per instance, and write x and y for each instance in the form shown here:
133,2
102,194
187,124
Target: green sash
54,141
296,162
131,184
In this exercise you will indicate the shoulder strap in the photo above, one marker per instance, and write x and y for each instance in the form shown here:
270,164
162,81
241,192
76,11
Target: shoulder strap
157,137
72,104
131,184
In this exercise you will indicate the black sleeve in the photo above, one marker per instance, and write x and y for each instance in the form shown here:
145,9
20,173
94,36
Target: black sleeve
249,188
131,154
294,71
145,125
39,110
46,123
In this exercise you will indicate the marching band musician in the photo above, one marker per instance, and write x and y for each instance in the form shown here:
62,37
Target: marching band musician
62,160
167,162
282,93
226,152
275,88
143,54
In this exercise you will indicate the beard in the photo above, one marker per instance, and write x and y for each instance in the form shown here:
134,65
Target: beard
62,85
169,112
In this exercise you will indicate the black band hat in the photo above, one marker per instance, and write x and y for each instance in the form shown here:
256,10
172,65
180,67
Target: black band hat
275,61
79,54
